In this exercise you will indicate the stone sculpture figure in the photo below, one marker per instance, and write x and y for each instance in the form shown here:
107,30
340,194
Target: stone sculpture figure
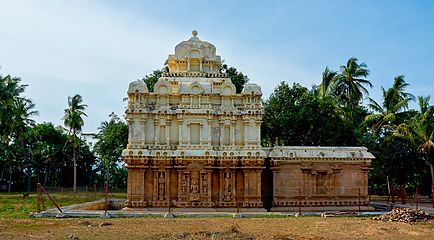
194,187
184,184
205,184
227,187
161,183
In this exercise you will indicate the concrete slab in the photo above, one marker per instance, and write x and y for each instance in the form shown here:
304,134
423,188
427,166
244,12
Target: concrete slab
87,210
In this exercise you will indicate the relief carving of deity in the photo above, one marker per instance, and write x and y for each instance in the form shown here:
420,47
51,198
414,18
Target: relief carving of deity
227,191
205,184
194,187
161,186
183,184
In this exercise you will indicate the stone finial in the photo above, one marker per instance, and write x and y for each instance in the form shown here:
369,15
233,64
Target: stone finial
194,33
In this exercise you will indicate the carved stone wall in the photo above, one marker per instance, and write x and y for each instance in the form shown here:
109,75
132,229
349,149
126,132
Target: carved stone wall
319,176
195,142
194,181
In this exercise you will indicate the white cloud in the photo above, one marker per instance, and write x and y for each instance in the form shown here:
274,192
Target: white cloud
63,48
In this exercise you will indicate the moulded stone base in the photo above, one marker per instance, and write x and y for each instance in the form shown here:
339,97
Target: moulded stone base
194,204
323,209
176,204
319,203
186,210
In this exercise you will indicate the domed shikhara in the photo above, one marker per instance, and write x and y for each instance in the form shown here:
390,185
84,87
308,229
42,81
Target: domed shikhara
195,69
194,55
138,86
252,88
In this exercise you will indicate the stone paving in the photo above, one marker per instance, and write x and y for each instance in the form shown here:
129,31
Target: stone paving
96,209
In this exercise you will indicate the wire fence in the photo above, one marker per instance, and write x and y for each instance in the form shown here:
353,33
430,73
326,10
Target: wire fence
64,196
60,196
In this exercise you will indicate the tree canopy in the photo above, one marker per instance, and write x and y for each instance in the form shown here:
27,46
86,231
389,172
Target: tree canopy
73,119
331,114
236,76
295,116
112,139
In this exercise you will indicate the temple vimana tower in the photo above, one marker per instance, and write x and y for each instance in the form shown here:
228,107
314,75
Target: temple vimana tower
194,142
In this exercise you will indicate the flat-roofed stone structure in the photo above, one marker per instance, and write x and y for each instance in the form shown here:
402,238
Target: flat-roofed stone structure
319,177
195,143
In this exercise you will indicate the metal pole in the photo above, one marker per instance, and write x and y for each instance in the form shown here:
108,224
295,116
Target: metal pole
39,197
105,196
42,200
238,205
168,199
237,196
417,198
61,196
393,194
432,196
55,204
360,210
299,201
402,194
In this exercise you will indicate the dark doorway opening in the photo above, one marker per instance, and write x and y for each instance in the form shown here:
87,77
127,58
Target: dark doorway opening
267,185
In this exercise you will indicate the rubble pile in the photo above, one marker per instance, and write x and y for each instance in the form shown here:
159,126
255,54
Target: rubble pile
404,215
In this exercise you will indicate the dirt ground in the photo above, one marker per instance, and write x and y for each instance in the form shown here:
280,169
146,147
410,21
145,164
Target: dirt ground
213,228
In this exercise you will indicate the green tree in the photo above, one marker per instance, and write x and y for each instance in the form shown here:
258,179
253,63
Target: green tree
112,139
326,88
237,77
10,96
396,163
15,113
422,131
73,119
393,110
50,158
392,154
296,116
152,78
24,110
47,156
350,83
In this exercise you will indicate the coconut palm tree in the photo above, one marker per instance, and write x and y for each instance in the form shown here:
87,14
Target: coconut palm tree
350,83
326,88
420,130
73,119
395,104
10,94
423,131
23,112
15,113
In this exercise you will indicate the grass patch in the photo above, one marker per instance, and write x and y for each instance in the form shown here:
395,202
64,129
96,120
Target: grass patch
13,205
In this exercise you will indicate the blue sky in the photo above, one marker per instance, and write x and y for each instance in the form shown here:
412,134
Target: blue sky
95,48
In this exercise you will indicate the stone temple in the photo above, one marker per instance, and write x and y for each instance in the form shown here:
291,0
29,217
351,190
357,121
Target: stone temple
196,143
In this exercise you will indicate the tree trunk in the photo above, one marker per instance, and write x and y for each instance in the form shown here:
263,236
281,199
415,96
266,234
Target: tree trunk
431,166
27,163
46,176
3,170
29,180
74,158
10,178
388,185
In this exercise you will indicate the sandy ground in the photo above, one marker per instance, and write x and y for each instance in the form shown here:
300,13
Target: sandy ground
213,228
